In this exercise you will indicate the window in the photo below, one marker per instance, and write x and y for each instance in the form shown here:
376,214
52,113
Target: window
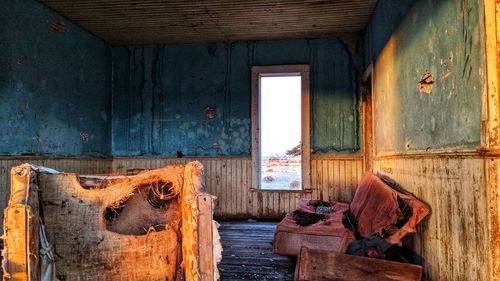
280,127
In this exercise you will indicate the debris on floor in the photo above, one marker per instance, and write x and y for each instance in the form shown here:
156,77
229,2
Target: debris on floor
373,225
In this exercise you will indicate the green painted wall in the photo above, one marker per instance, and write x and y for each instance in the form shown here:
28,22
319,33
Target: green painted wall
160,91
444,38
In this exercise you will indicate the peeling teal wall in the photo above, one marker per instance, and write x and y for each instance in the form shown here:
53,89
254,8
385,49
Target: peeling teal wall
160,92
445,38
54,86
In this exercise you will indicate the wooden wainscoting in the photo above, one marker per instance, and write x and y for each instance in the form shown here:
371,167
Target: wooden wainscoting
67,164
453,241
333,178
493,188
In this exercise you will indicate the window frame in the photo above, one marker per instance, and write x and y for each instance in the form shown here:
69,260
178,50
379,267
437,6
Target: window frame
282,70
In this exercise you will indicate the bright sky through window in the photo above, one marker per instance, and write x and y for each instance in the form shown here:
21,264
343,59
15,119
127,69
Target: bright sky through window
280,135
280,114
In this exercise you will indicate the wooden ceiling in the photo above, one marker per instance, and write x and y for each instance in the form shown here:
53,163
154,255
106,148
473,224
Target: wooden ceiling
182,21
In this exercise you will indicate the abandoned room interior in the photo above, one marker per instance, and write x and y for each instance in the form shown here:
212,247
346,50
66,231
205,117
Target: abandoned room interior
250,140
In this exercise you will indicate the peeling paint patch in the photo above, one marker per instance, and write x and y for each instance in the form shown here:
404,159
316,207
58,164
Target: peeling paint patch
210,111
426,83
21,60
84,136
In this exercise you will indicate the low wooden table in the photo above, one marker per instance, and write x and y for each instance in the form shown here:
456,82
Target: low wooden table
315,265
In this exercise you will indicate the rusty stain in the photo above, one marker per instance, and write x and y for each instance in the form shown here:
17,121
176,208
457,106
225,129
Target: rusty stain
210,111
21,60
440,181
482,151
84,136
426,83
386,170
58,26
493,171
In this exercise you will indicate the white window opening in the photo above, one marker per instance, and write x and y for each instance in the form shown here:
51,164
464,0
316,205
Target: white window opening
281,127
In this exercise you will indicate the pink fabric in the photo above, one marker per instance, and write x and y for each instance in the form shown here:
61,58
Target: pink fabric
328,234
376,209
374,206
420,211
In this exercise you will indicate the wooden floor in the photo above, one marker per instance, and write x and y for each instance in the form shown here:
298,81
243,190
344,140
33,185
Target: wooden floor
248,255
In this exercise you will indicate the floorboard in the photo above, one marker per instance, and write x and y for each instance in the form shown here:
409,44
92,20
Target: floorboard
248,255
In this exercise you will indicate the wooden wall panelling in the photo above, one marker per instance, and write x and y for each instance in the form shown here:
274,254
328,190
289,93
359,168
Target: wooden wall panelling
491,96
230,178
492,166
333,178
491,130
452,240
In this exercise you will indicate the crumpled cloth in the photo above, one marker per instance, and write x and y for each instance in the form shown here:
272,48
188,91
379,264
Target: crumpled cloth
373,246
